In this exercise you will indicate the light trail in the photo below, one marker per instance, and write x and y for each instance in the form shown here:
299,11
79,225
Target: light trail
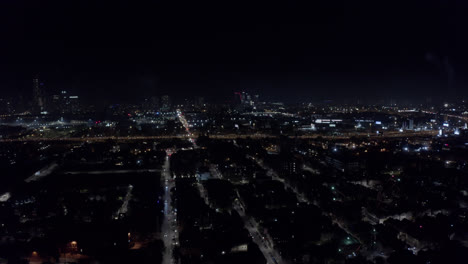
193,136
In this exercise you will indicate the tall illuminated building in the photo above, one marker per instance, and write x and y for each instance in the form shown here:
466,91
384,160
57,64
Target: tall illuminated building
411,124
38,96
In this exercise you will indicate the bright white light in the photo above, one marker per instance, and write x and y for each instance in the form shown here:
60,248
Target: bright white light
5,197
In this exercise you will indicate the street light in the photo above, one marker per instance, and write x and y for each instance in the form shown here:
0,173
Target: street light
73,246
34,254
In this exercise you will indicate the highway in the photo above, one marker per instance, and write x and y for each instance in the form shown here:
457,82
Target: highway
97,172
192,136
464,118
184,122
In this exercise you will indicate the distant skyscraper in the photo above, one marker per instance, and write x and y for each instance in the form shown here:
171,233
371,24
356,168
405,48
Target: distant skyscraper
56,103
238,98
6,106
165,102
73,104
411,124
63,103
38,96
244,98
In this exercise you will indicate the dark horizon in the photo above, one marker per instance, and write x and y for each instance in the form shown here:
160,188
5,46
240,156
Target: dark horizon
294,52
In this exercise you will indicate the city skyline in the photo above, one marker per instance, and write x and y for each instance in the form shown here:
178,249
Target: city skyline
40,92
303,52
227,132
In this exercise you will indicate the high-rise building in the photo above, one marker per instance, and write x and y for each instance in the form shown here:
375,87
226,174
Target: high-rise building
73,104
6,106
247,98
165,102
38,104
411,124
64,103
244,98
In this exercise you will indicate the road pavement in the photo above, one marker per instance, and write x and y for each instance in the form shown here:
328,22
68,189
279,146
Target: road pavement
97,172
193,136
124,208
169,227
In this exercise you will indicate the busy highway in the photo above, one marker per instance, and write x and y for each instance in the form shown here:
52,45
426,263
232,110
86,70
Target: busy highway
193,136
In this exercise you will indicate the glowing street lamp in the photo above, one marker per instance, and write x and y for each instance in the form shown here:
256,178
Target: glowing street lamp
73,246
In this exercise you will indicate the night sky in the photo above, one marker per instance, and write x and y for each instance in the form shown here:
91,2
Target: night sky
293,51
